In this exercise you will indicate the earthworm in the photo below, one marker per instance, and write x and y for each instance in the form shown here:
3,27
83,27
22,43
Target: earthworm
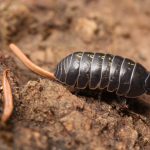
8,99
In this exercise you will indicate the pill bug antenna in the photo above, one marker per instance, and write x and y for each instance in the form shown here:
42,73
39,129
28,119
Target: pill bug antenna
8,98
36,69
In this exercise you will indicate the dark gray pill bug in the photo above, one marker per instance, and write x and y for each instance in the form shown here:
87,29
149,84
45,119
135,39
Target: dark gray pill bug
98,71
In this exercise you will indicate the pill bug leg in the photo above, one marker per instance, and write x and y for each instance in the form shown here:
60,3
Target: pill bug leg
100,96
36,69
8,98
73,90
123,102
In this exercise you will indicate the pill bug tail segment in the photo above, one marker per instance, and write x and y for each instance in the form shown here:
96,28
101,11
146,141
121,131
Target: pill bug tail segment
30,64
147,84
8,98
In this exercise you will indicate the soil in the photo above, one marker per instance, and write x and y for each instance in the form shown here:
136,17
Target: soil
47,115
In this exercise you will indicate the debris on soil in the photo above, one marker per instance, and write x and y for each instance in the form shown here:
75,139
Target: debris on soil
86,29
47,115
76,122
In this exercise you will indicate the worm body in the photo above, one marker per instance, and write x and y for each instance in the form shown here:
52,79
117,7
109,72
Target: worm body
83,70
8,99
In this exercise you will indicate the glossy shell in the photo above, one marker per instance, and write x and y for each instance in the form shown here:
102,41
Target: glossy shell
102,71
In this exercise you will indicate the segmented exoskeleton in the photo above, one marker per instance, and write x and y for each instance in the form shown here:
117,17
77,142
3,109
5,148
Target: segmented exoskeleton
104,71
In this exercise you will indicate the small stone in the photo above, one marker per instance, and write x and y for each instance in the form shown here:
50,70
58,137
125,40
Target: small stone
86,28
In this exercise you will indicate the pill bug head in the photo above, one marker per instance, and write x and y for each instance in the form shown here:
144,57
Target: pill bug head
68,68
62,69
147,84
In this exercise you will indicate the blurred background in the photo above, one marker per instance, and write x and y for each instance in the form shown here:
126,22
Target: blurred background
49,30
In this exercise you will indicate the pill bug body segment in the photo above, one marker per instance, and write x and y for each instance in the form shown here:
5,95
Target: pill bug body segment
104,71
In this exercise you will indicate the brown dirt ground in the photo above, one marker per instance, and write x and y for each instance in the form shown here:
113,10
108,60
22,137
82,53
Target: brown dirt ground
47,115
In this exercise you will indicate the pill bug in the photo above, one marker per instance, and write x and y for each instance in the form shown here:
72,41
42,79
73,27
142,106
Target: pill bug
96,71
104,71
